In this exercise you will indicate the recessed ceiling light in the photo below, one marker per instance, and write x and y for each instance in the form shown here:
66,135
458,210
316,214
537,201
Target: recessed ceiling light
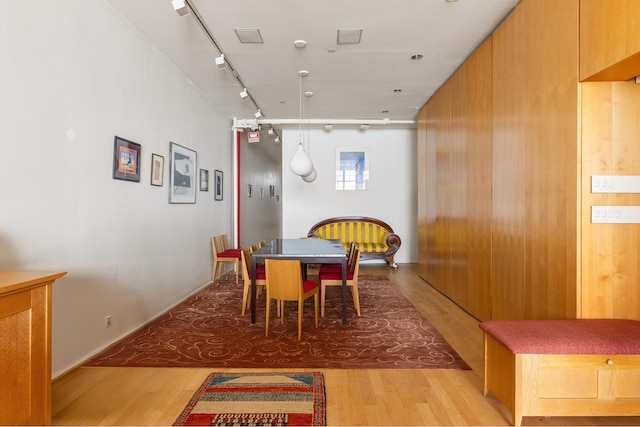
331,50
384,111
249,35
300,43
417,56
397,90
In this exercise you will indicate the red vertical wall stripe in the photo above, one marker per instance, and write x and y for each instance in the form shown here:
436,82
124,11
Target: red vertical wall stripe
238,189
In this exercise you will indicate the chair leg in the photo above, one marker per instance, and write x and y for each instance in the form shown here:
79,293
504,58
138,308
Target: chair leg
356,298
323,289
315,303
266,323
246,301
300,310
213,272
281,302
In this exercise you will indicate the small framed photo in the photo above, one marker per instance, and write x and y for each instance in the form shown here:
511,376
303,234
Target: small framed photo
157,169
126,160
204,180
352,168
182,187
218,183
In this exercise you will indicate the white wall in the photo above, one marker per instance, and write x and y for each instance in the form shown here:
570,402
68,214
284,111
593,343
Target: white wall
75,74
392,187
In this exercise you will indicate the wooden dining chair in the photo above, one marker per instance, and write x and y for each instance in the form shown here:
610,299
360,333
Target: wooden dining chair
285,283
338,267
220,258
247,276
334,278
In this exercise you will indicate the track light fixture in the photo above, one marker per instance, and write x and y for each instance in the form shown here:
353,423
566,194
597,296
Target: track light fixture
180,7
220,62
277,139
244,94
258,114
270,131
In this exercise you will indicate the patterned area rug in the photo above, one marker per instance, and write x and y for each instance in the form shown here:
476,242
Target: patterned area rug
207,330
264,399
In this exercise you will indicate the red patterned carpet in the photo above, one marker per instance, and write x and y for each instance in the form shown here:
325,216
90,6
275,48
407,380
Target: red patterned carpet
206,330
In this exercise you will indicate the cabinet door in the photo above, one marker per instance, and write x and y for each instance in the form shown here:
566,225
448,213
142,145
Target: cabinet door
25,370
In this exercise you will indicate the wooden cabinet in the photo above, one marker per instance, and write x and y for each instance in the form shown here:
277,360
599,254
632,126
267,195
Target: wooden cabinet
25,347
609,43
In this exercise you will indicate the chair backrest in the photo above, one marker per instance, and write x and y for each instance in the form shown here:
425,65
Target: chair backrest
245,257
214,246
352,247
354,267
224,240
284,279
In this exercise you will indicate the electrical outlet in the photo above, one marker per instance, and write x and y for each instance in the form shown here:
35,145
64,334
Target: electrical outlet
107,322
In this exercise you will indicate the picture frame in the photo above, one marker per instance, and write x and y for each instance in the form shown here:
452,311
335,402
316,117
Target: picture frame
218,179
204,180
126,159
352,168
182,177
157,169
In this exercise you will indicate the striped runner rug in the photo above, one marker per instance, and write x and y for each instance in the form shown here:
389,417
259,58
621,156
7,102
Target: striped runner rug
257,399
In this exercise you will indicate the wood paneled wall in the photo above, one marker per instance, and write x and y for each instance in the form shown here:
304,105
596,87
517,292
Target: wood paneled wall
610,252
507,188
540,99
549,134
457,183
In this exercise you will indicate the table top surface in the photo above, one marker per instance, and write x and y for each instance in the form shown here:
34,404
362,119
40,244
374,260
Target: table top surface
302,247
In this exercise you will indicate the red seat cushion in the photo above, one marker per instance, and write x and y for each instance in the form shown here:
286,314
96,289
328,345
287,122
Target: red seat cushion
260,275
573,336
308,285
230,253
334,275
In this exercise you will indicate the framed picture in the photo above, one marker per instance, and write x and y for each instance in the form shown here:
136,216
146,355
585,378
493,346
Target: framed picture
352,168
126,160
182,187
157,169
218,183
204,180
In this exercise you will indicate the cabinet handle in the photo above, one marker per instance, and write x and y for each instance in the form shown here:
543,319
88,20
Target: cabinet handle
609,362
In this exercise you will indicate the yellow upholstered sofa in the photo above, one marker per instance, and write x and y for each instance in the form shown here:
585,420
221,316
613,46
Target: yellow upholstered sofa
375,238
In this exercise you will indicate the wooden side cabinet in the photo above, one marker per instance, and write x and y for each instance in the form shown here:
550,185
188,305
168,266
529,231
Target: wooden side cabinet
25,347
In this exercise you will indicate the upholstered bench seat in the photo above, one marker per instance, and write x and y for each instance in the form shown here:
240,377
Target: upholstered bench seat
573,367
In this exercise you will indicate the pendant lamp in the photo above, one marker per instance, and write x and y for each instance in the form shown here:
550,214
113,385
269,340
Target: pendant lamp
311,177
300,162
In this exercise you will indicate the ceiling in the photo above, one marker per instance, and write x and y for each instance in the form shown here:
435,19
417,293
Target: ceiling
372,81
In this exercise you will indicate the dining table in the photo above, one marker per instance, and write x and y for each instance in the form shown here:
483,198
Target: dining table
307,251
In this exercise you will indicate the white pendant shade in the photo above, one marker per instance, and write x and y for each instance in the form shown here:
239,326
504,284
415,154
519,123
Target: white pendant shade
300,163
311,177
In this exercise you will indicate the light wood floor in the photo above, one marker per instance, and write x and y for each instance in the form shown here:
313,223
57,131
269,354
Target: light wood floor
156,396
